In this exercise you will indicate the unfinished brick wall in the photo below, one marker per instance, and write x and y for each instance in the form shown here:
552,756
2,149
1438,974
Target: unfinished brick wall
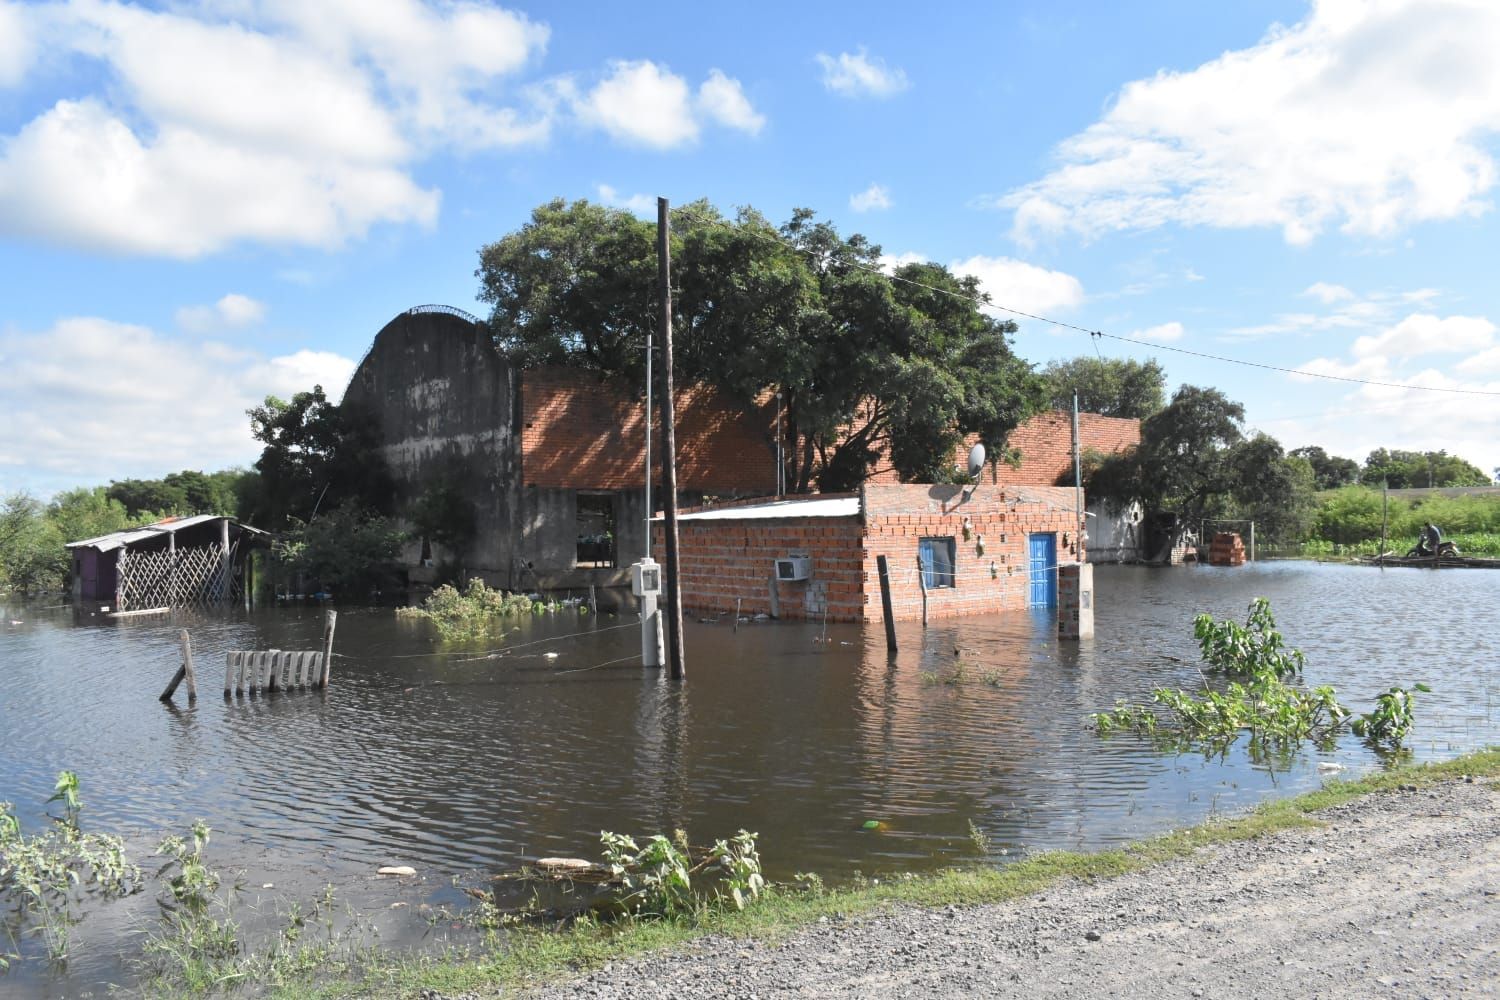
725,560
898,516
1045,442
579,431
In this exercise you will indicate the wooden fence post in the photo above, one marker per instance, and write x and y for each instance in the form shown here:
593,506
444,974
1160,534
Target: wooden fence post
885,603
329,623
184,672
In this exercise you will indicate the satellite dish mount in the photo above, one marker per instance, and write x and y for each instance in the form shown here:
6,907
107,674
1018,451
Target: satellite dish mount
976,466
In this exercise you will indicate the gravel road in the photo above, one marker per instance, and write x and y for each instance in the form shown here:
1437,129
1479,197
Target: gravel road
1398,896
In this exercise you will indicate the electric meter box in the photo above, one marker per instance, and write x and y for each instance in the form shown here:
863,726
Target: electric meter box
645,577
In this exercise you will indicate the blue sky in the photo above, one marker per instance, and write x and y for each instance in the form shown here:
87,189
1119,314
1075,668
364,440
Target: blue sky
204,203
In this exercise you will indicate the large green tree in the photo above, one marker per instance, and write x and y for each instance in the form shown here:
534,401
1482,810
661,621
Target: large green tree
1194,464
32,557
1115,387
865,364
1329,471
1411,469
317,457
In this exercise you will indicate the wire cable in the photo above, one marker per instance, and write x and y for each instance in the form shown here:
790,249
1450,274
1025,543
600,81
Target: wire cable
724,224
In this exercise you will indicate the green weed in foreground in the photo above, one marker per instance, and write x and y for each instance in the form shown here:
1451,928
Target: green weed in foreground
46,877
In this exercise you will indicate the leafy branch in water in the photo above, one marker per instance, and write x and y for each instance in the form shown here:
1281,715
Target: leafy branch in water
44,877
1258,700
471,611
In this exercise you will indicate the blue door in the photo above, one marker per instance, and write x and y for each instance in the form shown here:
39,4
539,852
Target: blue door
1043,553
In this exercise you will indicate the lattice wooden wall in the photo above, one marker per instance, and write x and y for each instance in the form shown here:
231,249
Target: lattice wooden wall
169,579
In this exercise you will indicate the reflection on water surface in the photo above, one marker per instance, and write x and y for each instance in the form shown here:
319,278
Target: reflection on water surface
456,758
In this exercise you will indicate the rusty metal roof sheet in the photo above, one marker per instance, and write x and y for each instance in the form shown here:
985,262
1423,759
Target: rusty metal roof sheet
166,526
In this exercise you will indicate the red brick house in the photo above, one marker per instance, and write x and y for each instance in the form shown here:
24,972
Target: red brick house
975,550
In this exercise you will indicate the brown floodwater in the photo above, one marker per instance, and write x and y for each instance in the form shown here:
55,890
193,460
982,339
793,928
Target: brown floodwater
461,759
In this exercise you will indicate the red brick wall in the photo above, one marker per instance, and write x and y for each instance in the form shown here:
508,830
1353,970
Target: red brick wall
1046,445
581,432
898,516
723,560
727,559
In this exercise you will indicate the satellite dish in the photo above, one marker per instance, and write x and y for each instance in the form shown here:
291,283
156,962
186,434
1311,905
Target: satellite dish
976,461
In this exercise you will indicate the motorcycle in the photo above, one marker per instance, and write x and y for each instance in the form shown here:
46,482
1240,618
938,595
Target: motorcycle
1444,549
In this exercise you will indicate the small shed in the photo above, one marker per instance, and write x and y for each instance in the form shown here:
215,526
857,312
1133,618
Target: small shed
974,549
173,562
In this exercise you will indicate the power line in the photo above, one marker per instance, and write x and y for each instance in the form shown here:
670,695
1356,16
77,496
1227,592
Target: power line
1092,333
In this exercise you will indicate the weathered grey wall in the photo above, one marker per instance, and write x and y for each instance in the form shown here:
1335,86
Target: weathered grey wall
445,400
1115,533
549,528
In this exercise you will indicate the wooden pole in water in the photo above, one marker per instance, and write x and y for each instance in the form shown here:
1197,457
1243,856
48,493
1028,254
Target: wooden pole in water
737,602
922,584
184,672
669,442
885,603
328,625
1385,516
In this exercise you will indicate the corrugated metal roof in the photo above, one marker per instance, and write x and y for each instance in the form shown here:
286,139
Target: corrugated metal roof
831,507
171,525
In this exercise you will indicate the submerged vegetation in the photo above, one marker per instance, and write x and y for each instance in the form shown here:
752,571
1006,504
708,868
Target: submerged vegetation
45,877
1258,699
473,610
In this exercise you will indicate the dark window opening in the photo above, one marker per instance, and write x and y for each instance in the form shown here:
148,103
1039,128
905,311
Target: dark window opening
936,558
596,530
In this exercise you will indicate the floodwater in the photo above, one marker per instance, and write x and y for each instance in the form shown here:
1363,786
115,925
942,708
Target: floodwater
461,759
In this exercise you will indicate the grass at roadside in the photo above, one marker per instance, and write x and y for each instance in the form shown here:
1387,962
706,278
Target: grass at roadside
532,955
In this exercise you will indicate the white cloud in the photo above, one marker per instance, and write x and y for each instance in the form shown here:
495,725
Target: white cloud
1368,116
80,176
1371,417
1424,333
723,100
643,104
17,48
637,204
230,312
1328,294
889,262
1020,285
858,74
1163,333
874,197
91,400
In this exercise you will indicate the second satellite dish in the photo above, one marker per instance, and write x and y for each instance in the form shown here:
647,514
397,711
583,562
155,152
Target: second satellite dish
976,461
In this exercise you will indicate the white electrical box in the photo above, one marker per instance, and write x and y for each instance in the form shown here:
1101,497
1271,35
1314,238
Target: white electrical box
645,577
794,568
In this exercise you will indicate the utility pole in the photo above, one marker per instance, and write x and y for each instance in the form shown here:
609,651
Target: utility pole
669,441
1077,479
648,443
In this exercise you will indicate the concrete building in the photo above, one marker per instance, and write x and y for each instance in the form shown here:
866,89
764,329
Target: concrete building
549,463
974,550
544,468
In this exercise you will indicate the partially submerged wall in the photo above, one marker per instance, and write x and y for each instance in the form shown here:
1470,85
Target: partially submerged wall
444,399
1001,519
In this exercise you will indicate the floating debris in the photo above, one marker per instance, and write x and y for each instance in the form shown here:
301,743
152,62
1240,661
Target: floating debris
396,870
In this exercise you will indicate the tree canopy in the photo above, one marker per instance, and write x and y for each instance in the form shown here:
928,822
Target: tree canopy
1114,387
1194,464
1329,471
867,364
1411,469
317,457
